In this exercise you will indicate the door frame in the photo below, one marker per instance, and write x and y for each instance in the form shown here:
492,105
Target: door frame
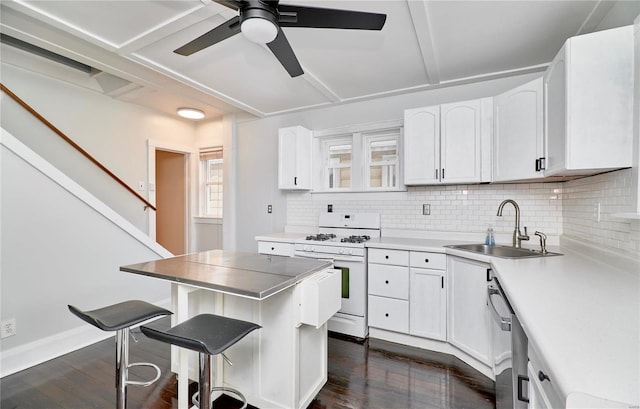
190,168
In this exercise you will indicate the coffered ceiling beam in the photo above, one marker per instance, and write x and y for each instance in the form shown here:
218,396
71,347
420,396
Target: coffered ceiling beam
420,20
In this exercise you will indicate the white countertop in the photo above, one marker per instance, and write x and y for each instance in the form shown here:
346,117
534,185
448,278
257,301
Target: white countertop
581,314
285,237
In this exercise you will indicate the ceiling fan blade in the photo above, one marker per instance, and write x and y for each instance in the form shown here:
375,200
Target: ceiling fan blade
318,17
232,4
281,48
222,32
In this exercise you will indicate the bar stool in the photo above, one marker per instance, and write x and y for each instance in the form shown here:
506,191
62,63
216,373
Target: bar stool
209,335
119,318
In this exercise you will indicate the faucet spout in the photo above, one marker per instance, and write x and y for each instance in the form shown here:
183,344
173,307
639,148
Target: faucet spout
517,236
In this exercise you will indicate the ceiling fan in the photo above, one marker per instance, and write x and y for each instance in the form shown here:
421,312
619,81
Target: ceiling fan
261,21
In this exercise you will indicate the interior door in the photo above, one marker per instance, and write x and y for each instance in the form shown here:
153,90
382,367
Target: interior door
171,201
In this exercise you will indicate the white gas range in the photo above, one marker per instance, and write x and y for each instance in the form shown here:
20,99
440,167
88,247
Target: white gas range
342,238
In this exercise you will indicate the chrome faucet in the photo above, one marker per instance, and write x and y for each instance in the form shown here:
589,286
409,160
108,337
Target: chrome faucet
517,235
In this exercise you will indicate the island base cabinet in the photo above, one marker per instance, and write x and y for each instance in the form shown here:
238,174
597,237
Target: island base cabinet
281,365
468,319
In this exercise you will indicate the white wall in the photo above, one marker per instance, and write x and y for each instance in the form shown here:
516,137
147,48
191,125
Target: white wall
258,147
112,131
58,250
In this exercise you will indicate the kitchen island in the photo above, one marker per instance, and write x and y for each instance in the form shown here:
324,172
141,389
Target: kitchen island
282,365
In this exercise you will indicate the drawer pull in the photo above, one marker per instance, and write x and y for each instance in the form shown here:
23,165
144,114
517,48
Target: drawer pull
386,281
542,376
426,260
387,314
386,257
273,248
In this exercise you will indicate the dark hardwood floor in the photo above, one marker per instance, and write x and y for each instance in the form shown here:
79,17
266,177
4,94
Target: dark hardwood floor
375,374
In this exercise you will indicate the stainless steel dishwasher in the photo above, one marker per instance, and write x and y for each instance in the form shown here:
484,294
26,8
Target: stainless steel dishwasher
509,351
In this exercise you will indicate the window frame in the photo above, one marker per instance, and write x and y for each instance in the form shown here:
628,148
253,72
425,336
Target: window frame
207,155
359,138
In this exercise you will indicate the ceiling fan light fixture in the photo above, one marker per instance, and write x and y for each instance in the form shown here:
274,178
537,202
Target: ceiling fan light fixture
259,30
191,113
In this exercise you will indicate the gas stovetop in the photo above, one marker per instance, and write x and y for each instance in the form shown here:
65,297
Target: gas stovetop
332,238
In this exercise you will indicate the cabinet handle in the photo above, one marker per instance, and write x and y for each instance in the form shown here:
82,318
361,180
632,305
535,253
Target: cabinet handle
442,173
273,248
426,260
442,281
542,376
543,163
488,274
538,165
436,174
386,314
295,181
386,281
386,257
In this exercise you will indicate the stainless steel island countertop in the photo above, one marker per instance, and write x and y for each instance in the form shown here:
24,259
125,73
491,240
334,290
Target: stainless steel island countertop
250,275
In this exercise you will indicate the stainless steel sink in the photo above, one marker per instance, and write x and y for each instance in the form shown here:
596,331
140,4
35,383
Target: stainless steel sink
502,251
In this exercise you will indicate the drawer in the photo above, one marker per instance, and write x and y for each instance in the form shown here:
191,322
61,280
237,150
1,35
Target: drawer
421,259
389,281
320,297
275,248
383,256
389,313
546,388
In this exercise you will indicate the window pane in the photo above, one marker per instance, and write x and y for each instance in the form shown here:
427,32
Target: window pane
382,176
383,162
384,150
212,187
339,178
339,155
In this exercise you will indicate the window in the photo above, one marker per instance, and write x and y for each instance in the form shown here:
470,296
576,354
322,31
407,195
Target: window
338,153
360,161
211,177
381,161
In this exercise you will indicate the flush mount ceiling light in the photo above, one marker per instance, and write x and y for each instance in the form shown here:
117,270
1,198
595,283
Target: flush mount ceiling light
190,113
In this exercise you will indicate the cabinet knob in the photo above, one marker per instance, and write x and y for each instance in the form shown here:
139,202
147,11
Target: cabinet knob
426,260
386,257
273,248
387,314
386,281
542,376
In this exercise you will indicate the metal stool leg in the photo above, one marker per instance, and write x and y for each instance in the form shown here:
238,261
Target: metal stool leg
122,366
204,387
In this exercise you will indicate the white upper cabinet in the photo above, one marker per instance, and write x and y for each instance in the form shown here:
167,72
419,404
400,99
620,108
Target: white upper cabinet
589,104
443,144
294,158
421,145
518,144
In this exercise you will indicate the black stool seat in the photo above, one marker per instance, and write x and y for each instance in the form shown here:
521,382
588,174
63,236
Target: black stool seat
121,315
206,333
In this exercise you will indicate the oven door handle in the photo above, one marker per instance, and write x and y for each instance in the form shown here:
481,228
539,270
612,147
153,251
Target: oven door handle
504,322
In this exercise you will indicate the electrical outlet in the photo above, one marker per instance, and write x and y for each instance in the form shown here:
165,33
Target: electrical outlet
269,209
329,208
426,209
8,328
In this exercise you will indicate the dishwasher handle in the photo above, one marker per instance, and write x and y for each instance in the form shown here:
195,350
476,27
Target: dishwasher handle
504,322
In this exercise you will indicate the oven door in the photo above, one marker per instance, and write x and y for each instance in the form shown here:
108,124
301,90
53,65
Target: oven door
354,281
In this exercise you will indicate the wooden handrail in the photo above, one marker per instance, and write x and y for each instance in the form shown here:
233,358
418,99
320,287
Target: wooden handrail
72,143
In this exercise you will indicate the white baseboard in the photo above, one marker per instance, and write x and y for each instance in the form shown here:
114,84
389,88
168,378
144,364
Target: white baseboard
34,353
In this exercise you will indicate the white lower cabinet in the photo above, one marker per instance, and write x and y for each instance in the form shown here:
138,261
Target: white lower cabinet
428,304
276,248
543,390
389,313
468,317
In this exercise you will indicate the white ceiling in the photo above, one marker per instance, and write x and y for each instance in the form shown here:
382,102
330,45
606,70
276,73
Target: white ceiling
423,44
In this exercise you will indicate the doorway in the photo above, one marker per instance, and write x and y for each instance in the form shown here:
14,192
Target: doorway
171,193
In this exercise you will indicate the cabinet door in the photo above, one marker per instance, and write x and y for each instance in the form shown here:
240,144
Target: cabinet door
518,133
428,304
294,158
468,319
555,84
421,145
460,136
